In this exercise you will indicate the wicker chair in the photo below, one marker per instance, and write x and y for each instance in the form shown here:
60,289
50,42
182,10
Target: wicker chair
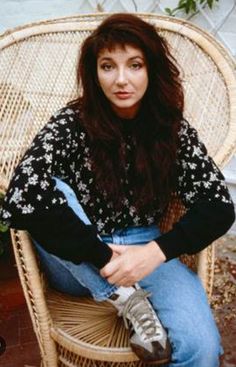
37,76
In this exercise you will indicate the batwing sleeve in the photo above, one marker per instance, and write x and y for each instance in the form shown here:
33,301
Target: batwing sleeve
34,203
202,189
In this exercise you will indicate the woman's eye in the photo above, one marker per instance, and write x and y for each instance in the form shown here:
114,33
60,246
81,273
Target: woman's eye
106,67
136,65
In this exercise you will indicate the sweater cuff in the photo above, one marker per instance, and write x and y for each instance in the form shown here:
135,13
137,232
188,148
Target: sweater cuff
171,243
100,254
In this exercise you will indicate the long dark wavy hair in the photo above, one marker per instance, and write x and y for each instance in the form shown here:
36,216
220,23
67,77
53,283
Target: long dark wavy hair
156,131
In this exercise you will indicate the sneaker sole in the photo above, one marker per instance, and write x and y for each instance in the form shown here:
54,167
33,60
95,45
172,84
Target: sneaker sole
157,363
136,349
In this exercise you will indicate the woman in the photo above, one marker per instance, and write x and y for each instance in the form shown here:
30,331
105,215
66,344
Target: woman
99,176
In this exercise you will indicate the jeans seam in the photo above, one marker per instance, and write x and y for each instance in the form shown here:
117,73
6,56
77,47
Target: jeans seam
105,294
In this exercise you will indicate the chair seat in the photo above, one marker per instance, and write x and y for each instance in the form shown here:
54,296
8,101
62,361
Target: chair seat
89,329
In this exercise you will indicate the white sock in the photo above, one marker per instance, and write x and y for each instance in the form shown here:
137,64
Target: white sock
120,296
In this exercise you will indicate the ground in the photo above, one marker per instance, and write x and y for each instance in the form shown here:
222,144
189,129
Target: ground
224,297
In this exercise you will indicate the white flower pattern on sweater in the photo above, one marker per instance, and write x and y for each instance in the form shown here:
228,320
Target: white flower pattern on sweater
61,149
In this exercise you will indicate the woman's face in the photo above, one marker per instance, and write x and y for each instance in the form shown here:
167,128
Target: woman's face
123,77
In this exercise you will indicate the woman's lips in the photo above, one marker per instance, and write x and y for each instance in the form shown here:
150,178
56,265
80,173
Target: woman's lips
123,95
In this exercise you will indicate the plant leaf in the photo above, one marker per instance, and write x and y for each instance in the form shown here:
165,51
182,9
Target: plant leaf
189,6
3,227
169,11
193,6
210,3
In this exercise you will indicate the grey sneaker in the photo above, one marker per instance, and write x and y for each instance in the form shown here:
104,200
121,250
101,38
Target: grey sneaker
148,339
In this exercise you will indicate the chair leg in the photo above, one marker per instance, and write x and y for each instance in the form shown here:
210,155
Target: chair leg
32,285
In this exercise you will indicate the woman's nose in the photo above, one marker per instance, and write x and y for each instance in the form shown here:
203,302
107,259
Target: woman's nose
121,78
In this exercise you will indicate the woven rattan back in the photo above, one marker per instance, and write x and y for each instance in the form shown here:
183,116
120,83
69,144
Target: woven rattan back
37,77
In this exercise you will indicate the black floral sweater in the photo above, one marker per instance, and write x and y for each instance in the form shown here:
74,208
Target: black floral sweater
61,149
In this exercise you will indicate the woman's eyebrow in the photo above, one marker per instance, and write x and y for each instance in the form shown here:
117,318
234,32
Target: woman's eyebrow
104,58
107,58
136,57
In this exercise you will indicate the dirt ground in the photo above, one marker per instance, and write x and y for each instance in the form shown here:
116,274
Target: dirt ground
224,297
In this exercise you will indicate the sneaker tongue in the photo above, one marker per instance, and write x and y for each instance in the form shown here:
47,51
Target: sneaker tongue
121,295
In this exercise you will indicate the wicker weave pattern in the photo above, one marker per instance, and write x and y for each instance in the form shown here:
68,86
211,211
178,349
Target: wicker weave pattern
37,76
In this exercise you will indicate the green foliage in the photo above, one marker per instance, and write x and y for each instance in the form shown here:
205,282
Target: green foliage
190,6
3,227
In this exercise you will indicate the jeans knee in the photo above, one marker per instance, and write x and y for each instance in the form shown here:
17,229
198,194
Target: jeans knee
197,351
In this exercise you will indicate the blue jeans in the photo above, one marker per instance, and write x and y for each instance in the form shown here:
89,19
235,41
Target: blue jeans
177,294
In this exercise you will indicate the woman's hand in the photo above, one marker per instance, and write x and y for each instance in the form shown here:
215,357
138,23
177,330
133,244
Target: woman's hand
129,264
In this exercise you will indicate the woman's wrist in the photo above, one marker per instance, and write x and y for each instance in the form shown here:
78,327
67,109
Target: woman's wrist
157,252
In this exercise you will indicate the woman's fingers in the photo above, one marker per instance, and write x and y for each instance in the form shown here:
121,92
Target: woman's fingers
111,267
132,263
122,267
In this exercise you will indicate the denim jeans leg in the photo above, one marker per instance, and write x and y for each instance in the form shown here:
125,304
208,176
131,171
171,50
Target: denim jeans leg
65,276
180,301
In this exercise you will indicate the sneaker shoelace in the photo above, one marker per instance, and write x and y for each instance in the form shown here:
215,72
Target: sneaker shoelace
139,312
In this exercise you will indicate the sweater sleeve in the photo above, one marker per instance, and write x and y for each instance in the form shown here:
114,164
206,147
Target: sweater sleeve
202,189
34,203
